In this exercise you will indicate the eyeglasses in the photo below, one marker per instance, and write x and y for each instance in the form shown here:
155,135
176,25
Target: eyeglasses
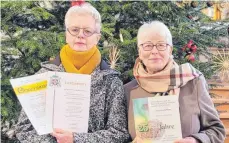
74,31
149,46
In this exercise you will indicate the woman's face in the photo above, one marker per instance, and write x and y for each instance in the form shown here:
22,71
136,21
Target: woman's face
81,33
155,60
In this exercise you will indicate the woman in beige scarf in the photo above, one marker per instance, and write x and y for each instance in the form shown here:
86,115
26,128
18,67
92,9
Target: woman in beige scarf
157,74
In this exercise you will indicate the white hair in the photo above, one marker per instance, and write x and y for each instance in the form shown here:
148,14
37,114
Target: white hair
85,8
158,27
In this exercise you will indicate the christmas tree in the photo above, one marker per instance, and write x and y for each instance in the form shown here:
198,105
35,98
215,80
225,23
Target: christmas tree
33,32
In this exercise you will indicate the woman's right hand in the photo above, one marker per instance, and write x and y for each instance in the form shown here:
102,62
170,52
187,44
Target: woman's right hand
63,136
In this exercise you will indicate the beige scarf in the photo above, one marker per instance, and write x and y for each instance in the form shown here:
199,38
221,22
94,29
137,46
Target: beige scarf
170,79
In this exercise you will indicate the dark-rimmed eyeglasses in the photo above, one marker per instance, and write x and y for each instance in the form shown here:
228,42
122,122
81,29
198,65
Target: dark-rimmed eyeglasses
74,31
149,46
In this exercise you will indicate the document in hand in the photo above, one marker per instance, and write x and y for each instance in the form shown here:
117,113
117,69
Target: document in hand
157,119
31,91
68,101
55,100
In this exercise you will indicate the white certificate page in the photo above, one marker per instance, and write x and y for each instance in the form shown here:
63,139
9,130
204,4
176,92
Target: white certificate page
68,101
165,115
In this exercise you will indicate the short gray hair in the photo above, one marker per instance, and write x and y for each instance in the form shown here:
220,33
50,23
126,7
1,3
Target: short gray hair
159,27
85,8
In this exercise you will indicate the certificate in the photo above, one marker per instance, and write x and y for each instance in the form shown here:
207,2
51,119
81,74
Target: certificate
68,101
157,119
31,91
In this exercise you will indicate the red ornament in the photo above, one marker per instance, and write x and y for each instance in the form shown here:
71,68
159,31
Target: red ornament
190,48
77,3
190,43
193,48
190,57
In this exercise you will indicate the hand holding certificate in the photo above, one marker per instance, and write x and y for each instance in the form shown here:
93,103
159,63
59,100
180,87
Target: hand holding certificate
55,100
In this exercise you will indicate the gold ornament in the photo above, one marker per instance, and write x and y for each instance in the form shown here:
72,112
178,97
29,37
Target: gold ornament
221,64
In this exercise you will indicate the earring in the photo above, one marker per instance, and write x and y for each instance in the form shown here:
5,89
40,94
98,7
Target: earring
171,56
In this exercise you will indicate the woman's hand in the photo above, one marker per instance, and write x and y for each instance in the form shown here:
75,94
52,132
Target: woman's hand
187,140
63,136
137,140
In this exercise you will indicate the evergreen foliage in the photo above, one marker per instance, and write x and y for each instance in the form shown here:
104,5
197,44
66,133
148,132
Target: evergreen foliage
33,32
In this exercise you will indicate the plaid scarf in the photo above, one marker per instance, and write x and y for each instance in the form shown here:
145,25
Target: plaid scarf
170,79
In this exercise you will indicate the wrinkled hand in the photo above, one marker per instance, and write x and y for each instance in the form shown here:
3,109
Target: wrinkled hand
63,136
187,140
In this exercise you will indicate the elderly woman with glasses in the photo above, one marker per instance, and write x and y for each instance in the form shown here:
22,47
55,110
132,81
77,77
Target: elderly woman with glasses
108,113
157,74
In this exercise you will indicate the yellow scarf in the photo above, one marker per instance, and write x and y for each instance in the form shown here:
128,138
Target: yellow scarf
80,62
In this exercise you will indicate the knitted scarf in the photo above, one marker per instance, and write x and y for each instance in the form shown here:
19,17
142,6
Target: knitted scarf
80,62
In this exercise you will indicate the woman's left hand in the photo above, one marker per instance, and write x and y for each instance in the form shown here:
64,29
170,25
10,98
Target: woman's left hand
187,140
63,136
